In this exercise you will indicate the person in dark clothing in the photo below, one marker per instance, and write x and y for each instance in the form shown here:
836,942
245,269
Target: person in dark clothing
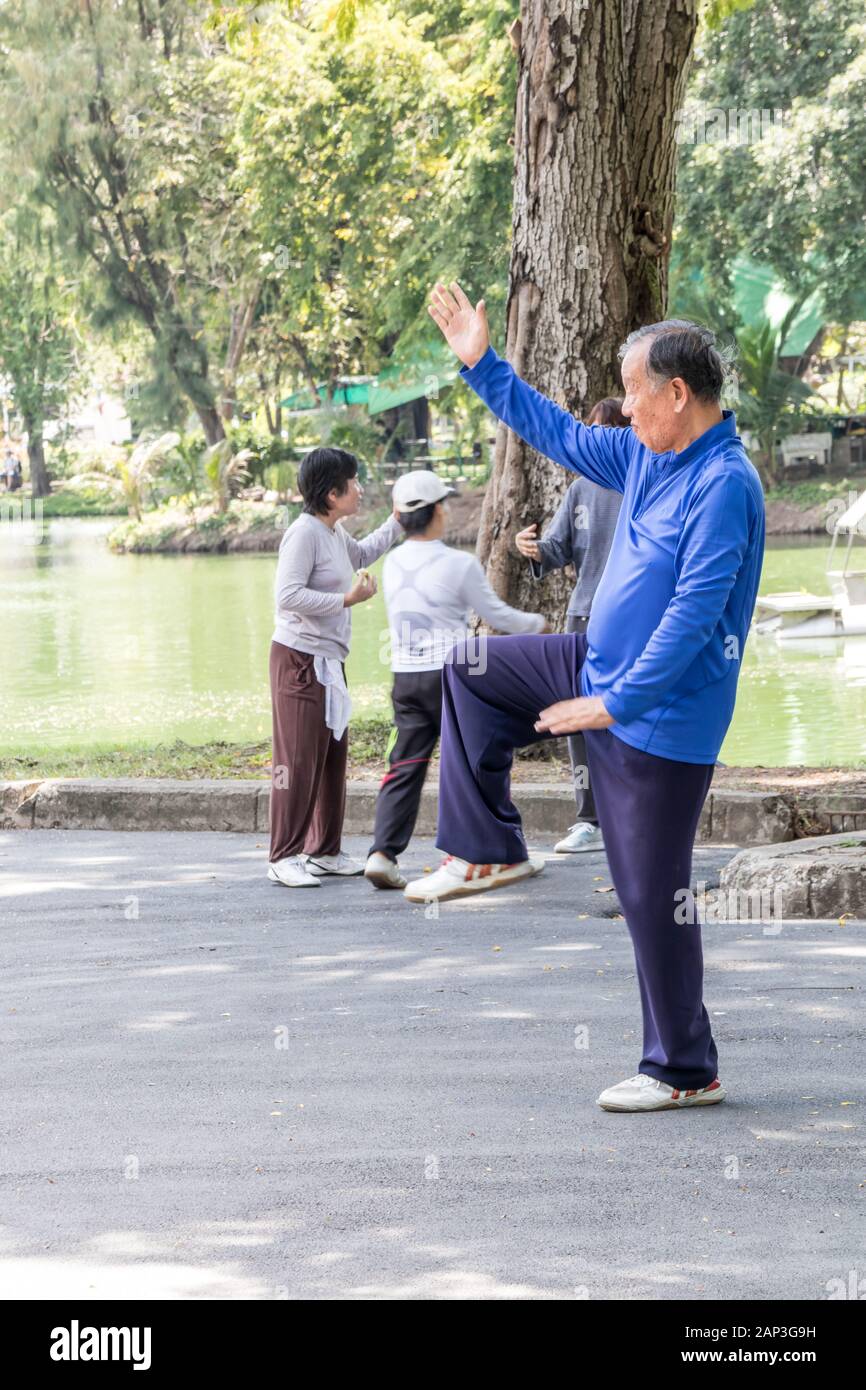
580,534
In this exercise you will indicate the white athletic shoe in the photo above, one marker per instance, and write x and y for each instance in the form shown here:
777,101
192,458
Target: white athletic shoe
291,873
580,838
457,878
384,872
340,864
643,1092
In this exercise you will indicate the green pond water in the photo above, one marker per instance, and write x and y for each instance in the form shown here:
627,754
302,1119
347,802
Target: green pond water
111,651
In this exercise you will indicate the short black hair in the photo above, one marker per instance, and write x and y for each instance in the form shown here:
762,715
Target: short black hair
680,348
324,471
419,520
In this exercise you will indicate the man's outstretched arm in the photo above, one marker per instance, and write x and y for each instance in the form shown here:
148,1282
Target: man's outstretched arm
599,453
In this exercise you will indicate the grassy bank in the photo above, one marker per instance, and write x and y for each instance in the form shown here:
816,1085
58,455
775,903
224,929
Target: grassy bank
368,741
811,492
178,530
61,504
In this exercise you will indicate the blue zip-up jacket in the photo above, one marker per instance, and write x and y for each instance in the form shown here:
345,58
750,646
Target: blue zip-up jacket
671,615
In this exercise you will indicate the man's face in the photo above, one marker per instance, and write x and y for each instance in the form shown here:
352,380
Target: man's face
654,409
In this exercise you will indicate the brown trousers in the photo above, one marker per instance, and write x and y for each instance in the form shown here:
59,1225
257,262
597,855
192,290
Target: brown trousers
308,768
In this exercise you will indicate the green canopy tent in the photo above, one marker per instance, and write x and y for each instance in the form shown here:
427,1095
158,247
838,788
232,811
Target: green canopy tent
424,373
349,391
759,294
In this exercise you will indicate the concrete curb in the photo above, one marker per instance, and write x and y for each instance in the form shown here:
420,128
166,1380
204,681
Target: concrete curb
813,878
729,817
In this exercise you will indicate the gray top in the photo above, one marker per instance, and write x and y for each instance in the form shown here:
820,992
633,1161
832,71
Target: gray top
315,568
580,534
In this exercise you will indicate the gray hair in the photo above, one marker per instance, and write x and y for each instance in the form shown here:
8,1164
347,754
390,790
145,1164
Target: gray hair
684,349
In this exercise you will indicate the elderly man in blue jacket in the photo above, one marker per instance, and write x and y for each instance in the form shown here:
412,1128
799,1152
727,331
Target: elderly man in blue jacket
651,683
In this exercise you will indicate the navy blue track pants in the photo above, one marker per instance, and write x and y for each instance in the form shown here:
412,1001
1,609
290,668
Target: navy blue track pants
494,689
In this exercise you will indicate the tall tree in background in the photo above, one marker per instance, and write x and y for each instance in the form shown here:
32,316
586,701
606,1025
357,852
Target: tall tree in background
109,118
773,163
599,87
372,156
37,341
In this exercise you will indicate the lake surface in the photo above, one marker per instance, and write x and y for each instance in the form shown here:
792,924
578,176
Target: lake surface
109,651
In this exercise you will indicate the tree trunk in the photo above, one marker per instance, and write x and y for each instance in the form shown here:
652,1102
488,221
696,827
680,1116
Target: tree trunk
421,418
769,468
242,318
599,87
40,483
211,423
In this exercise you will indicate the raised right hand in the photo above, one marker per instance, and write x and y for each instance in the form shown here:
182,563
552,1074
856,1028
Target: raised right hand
526,541
465,328
363,588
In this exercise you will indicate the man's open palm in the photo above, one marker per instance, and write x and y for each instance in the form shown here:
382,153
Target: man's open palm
465,328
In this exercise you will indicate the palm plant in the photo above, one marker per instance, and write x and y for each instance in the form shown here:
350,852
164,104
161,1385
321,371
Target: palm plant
224,469
135,473
769,397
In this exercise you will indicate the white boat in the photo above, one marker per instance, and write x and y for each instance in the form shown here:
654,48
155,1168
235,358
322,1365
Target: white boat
842,612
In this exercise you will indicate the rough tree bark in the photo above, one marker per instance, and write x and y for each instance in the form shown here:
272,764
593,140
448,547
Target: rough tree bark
599,86
40,483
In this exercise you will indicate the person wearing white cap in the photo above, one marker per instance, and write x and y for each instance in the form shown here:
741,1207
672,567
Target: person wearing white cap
430,589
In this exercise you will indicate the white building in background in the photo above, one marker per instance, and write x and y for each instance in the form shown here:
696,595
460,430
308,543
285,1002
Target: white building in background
100,419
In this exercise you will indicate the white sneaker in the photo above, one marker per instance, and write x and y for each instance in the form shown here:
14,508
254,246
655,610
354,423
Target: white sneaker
643,1092
325,864
291,873
580,838
383,872
456,878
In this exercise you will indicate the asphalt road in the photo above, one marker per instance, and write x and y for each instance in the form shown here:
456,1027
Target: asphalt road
217,1088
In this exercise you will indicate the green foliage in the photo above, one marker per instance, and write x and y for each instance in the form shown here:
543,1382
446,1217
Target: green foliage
37,336
226,470
369,165
111,120
177,528
266,454
262,192
71,501
280,477
793,194
770,398
182,472
352,429
812,492
135,471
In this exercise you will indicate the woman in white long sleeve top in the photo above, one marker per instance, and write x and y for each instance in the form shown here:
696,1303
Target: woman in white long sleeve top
430,590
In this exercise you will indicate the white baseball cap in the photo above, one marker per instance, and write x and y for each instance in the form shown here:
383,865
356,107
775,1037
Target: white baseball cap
419,489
